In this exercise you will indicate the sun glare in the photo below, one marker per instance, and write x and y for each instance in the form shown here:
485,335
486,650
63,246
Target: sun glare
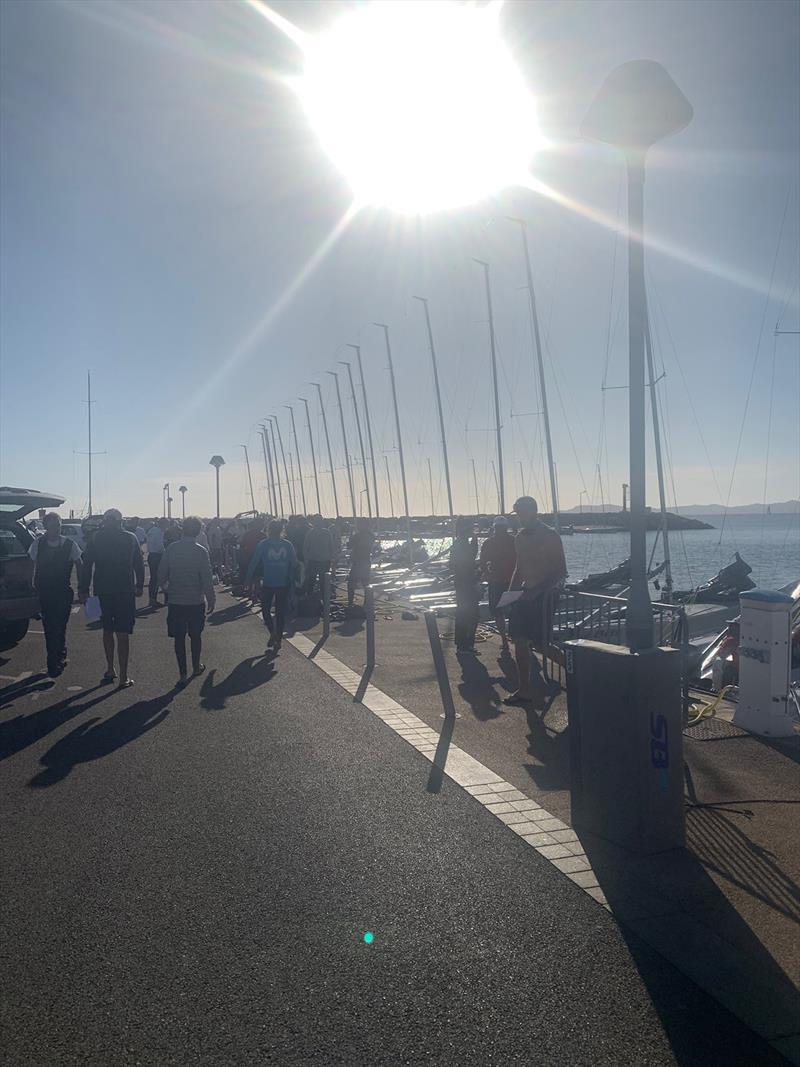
420,104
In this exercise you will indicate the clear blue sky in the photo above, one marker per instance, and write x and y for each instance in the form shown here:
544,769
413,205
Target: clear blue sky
159,195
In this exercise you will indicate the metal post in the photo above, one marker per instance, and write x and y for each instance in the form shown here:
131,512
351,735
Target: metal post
216,471
369,429
291,470
169,502
249,478
335,377
430,484
522,477
281,514
475,482
369,614
498,428
297,453
360,434
313,454
424,303
540,363
89,404
328,443
439,665
289,488
326,605
385,329
662,496
266,471
639,616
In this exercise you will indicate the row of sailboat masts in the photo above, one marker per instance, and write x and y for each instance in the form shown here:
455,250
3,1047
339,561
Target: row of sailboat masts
373,504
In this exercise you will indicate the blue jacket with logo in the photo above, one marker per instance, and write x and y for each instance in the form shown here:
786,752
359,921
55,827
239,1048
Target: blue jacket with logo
276,558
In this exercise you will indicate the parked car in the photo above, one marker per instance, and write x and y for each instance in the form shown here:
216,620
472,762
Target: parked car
74,532
18,601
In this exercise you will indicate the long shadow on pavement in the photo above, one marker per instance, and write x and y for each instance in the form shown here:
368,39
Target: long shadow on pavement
235,611
97,738
245,676
24,730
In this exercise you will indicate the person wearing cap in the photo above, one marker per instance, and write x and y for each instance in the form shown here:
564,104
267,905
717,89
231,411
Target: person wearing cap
498,562
113,558
54,556
465,580
540,569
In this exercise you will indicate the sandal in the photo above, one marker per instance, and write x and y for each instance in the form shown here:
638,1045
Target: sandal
108,678
126,684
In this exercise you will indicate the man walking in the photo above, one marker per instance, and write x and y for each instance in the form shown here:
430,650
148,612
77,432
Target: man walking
540,568
185,574
155,550
360,559
54,556
276,558
318,553
498,562
465,578
114,559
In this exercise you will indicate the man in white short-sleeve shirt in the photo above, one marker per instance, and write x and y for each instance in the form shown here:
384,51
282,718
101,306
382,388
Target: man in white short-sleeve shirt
54,557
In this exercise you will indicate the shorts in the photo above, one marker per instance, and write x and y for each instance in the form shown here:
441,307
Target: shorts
496,590
183,619
530,619
118,612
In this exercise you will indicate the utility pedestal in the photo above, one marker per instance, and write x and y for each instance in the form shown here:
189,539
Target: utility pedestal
626,744
765,663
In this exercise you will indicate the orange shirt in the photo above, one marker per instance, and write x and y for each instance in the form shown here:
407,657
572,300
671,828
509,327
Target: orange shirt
540,556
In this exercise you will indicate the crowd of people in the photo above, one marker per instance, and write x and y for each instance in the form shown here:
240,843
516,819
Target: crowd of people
285,566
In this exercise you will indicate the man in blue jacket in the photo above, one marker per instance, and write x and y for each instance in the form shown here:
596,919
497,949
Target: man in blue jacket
276,559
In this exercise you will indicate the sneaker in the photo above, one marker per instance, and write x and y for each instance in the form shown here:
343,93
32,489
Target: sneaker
199,669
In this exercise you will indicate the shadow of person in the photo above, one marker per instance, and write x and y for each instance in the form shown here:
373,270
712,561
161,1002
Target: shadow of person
235,611
245,676
477,688
97,738
33,683
24,730
350,627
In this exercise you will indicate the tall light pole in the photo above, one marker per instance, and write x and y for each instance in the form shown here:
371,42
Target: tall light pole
637,105
217,462
335,377
424,303
369,429
318,387
182,489
501,489
540,365
297,453
249,478
385,328
313,454
344,363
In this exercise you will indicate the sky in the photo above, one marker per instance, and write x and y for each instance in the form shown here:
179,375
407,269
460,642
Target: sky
170,222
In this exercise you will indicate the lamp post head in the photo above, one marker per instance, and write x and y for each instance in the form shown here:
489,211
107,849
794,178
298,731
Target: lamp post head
183,489
637,105
217,461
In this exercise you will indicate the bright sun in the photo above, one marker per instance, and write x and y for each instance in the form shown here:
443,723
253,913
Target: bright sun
420,104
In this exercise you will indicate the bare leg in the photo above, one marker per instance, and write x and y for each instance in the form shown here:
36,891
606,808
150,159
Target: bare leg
197,648
180,656
123,648
500,620
108,648
522,654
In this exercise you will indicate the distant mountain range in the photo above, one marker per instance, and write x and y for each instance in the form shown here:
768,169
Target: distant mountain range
783,507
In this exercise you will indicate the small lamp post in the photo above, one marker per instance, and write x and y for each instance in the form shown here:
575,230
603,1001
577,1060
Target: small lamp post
637,105
183,490
217,462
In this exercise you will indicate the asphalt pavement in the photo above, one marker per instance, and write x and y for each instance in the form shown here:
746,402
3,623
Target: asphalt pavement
188,877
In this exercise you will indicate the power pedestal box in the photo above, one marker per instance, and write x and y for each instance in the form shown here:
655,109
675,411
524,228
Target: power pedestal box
765,663
626,744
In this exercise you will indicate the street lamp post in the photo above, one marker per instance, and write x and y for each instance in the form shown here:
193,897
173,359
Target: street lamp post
637,105
217,462
182,489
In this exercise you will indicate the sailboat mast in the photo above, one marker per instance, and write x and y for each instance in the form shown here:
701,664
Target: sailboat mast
266,470
335,377
369,429
313,454
289,489
385,329
249,478
277,468
360,435
274,491
501,495
475,483
318,387
389,484
523,229
424,303
659,461
430,484
297,453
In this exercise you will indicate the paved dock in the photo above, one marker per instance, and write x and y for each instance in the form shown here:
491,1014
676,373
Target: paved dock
188,878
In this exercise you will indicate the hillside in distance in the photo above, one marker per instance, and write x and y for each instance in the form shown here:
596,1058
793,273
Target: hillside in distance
783,507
